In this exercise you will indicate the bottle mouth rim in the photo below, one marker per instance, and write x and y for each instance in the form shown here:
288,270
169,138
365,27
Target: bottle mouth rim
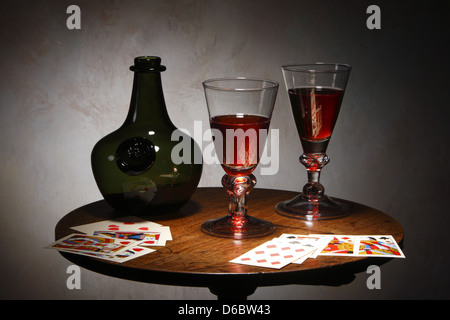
147,64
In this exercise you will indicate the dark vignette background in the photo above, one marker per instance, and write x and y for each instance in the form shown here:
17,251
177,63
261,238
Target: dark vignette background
62,90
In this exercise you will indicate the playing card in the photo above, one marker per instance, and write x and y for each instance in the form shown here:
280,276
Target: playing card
296,248
131,253
302,259
89,244
317,242
130,223
381,246
130,235
146,238
152,234
313,244
273,254
164,235
340,245
128,254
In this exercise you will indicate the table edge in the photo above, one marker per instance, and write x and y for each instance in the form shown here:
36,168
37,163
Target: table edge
199,279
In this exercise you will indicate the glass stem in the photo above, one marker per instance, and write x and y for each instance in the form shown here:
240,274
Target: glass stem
238,189
314,162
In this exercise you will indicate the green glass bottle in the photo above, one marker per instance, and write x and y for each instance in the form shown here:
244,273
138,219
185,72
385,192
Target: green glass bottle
133,166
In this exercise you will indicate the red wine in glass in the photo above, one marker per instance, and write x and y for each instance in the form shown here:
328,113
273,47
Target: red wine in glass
315,92
239,110
315,111
240,149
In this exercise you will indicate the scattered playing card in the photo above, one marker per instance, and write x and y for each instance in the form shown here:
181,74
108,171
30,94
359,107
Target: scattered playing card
297,248
152,234
116,240
358,245
273,254
129,223
89,244
381,246
147,238
340,245
138,236
128,254
318,242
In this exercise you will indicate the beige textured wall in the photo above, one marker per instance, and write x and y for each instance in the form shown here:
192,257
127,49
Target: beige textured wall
62,90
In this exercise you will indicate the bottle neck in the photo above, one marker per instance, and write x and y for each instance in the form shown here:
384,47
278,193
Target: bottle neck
147,104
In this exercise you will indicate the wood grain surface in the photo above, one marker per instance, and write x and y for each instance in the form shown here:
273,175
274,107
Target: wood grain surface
194,258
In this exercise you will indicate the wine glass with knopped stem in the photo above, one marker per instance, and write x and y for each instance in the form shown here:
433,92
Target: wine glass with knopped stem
315,93
240,110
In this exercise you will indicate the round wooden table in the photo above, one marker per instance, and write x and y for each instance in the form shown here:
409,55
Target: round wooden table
196,259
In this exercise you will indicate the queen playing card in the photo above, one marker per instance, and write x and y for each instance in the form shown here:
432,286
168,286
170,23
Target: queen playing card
340,245
89,244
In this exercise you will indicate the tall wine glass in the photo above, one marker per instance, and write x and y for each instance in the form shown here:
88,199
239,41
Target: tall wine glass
315,92
240,110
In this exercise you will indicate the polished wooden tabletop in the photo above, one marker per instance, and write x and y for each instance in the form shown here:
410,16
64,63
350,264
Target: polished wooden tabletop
194,258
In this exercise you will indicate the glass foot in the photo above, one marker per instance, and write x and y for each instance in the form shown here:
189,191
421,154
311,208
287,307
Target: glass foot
248,227
301,208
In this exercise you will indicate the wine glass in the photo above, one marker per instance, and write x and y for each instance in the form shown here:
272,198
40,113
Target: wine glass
315,92
240,110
